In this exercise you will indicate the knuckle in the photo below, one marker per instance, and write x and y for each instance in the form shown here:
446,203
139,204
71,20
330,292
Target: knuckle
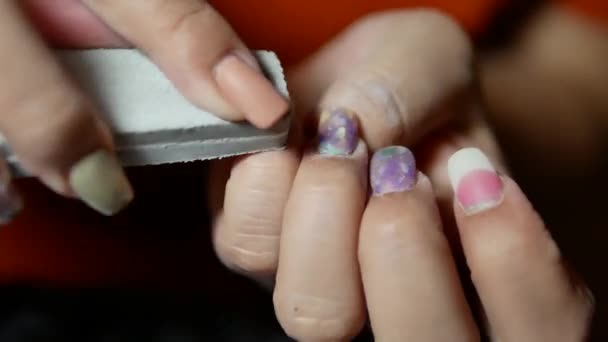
254,201
252,244
247,253
392,104
256,253
378,104
314,318
256,218
194,38
255,197
269,165
382,103
250,258
183,14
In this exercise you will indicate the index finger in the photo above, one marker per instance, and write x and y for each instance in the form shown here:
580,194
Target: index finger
200,52
56,21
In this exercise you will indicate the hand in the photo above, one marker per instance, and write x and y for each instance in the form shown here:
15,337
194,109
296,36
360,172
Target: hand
341,251
72,151
411,285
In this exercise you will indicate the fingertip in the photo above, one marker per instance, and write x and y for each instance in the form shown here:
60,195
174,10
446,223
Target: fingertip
99,181
476,184
393,169
249,91
338,143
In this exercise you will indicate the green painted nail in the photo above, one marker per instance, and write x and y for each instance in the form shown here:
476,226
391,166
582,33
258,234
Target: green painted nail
99,181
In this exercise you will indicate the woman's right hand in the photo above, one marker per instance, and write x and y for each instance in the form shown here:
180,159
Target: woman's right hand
56,132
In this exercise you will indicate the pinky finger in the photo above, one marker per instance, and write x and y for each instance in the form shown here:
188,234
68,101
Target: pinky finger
516,266
11,202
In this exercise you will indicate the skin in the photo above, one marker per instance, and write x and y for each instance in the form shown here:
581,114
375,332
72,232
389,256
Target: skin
363,252
399,98
36,84
248,240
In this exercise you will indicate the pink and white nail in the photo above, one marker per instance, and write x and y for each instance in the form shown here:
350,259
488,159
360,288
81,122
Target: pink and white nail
476,184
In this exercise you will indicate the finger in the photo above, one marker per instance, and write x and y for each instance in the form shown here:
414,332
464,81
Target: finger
51,127
515,265
56,21
200,53
318,295
247,197
385,69
469,129
412,288
246,239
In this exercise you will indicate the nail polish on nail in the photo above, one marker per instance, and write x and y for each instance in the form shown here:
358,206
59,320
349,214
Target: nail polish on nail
393,169
99,181
249,91
338,133
11,202
476,184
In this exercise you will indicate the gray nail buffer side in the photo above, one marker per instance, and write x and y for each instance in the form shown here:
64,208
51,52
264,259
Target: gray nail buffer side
151,121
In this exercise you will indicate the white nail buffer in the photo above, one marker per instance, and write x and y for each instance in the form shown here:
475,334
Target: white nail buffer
151,121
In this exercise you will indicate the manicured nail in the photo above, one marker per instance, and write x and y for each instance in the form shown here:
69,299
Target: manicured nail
475,182
11,202
250,92
100,182
338,133
393,169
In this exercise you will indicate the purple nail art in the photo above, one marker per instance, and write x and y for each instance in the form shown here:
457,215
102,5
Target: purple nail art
393,169
338,133
10,201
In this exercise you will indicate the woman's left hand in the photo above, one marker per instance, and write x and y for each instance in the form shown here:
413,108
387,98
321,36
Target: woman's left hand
399,78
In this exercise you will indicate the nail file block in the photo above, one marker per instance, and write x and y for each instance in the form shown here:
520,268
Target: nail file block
151,121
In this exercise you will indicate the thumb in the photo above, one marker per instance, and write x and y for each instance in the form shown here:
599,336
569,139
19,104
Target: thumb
397,71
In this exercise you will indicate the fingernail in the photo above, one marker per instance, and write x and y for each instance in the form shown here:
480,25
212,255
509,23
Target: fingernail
338,133
250,92
99,181
11,202
393,169
476,184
